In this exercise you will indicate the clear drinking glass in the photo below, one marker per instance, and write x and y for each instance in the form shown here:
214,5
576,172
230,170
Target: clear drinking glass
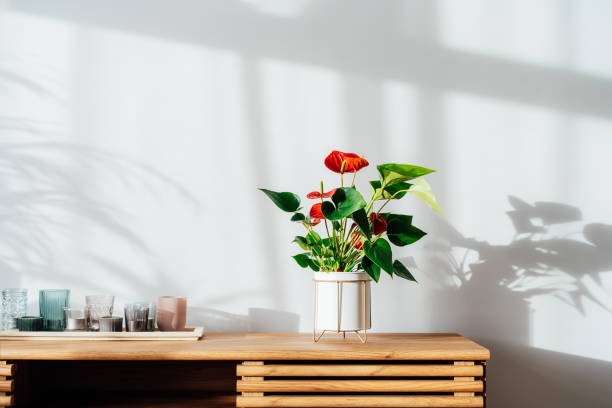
52,303
111,324
96,307
74,319
14,304
136,316
152,320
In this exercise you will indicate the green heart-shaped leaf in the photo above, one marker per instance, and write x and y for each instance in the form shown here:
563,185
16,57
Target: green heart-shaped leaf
400,270
301,241
401,217
313,238
302,260
346,200
286,201
305,261
396,191
422,190
298,217
379,252
392,173
361,219
400,230
371,268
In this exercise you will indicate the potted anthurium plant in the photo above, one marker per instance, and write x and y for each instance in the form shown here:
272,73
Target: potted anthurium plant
354,242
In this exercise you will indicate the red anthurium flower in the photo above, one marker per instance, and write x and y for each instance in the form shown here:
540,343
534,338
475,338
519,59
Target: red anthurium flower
316,194
378,223
356,237
353,162
314,221
315,211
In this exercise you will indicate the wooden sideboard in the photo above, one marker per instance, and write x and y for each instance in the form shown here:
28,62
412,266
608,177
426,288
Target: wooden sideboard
247,370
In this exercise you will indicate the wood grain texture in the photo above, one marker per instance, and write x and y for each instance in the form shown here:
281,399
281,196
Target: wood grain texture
6,400
359,386
359,401
359,370
465,379
7,370
257,393
6,385
256,346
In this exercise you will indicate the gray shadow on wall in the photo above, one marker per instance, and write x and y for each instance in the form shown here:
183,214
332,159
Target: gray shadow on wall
381,40
46,195
488,299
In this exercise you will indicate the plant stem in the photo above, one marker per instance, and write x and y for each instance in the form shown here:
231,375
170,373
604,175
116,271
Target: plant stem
383,206
389,199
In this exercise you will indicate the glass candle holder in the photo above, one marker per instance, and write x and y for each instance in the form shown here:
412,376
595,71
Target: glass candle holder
13,304
152,320
136,317
96,307
29,323
111,324
52,303
74,319
171,313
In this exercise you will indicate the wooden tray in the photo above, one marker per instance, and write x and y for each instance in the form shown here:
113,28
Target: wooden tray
189,334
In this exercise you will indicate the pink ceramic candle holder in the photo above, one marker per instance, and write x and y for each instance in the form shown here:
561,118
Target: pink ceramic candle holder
171,313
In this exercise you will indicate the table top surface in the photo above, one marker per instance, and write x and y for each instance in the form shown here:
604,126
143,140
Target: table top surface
256,346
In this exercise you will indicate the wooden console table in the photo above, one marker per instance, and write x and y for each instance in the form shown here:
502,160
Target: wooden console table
247,370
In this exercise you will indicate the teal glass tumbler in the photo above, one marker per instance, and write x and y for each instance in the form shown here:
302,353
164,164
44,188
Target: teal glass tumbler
29,323
13,304
52,303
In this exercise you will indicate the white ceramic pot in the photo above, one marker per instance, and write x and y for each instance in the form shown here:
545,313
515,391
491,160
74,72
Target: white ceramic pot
342,301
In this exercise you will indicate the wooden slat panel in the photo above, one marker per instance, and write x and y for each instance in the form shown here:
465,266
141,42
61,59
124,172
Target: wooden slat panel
359,401
7,370
465,379
359,386
6,385
6,400
374,370
253,379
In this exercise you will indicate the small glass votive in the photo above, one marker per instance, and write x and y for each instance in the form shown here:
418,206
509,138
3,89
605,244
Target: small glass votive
13,304
136,317
96,307
52,303
171,313
74,319
111,324
30,323
152,320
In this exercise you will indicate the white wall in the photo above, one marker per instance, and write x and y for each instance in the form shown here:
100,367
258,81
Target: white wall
133,136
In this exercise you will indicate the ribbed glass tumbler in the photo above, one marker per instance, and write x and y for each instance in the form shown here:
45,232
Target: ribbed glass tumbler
29,323
52,303
13,304
136,316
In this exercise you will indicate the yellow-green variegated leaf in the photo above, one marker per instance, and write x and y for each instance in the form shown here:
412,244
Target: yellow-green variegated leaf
422,190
